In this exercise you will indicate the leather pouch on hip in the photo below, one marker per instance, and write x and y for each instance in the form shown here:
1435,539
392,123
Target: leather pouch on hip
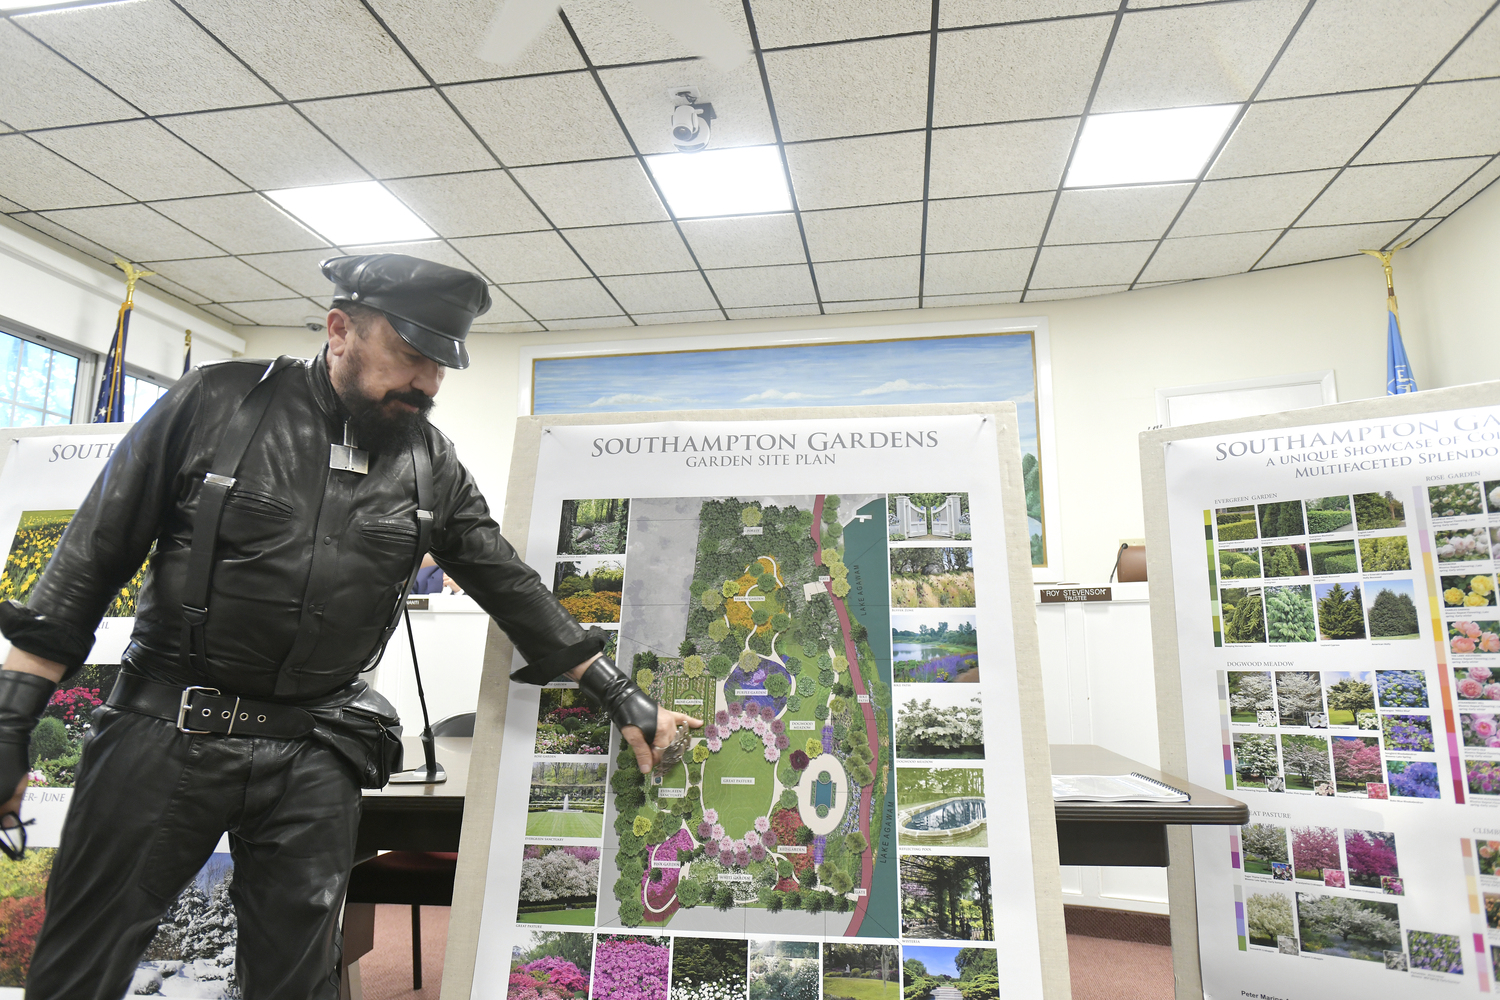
362,728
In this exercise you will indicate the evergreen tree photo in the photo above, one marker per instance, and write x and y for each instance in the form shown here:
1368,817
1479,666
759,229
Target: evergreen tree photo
1341,614
1393,613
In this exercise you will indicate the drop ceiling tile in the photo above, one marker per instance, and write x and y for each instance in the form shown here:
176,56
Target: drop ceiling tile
1481,180
1323,242
613,32
980,299
987,271
297,269
771,312
310,50
227,315
1369,43
748,287
34,176
267,148
1245,204
173,288
142,159
825,92
872,305
151,54
845,280
1388,191
1207,256
965,13
134,232
399,135
428,30
526,326
240,223
601,193
503,311
999,159
805,22
541,256
1446,119
993,223
639,93
1478,56
1186,56
1420,229
279,312
1084,292
690,316
223,279
1113,215
474,204
572,299
1304,134
638,249
1014,72
433,250
873,231
745,241
63,235
672,291
8,206
519,119
40,89
1099,264
589,323
867,171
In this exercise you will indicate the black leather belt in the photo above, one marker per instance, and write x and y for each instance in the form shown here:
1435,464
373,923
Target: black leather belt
204,710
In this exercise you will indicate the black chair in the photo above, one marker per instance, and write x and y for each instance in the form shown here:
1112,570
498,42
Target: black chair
413,878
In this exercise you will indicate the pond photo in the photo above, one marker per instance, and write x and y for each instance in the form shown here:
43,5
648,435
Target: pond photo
926,577
935,652
593,527
940,807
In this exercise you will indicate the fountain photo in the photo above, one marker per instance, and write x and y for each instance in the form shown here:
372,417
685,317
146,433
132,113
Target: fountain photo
567,800
940,807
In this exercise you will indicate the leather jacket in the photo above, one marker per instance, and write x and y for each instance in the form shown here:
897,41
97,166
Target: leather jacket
310,561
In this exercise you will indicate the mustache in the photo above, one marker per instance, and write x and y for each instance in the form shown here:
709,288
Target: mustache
411,397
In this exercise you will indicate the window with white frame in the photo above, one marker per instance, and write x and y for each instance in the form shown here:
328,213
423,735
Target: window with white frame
37,383
140,395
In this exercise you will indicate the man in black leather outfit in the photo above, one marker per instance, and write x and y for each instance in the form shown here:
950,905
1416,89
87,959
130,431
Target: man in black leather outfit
239,718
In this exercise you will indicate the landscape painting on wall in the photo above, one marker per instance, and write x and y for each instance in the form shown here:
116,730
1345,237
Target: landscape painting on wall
980,368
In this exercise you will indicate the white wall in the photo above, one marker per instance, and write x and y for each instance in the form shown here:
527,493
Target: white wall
56,290
1109,355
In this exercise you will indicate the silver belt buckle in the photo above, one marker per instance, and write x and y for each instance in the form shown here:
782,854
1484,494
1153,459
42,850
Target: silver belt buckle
182,709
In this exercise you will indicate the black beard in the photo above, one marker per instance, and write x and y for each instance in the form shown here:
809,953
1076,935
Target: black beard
377,429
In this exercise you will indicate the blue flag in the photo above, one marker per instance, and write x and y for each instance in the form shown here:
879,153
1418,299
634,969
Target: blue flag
111,406
1399,377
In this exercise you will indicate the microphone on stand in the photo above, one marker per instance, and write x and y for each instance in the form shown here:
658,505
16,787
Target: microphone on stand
432,773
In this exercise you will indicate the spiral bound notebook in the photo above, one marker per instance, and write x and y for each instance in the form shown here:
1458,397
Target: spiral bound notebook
1132,787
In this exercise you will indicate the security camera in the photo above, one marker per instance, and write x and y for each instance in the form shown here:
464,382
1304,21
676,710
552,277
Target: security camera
313,323
690,117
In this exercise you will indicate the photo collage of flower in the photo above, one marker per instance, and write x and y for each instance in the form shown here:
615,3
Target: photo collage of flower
1482,865
1349,915
1323,569
569,965
1465,531
1349,733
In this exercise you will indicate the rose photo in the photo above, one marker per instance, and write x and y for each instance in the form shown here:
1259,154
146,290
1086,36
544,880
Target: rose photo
1482,636
1476,682
1477,591
1462,545
1455,499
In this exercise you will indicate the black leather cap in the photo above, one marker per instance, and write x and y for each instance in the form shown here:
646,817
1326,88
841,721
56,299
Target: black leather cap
430,305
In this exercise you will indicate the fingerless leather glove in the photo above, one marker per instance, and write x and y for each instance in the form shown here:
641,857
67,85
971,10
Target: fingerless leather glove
623,700
23,698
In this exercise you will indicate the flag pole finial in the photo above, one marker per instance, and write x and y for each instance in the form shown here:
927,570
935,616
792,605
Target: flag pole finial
1384,256
132,275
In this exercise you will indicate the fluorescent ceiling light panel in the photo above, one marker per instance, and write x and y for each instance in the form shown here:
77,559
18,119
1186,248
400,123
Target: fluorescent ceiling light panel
1147,147
741,181
353,214
44,6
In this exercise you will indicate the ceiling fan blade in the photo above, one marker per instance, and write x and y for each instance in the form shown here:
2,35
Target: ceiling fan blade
516,24
699,27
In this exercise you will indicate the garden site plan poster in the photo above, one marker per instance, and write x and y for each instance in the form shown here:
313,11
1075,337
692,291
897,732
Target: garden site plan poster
1339,647
832,597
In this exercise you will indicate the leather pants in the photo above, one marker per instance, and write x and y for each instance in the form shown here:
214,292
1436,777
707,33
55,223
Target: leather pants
149,808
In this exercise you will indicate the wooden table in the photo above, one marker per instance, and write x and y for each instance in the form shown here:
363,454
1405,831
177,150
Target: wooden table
1132,834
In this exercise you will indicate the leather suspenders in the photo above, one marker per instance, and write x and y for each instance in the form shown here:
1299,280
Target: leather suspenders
217,484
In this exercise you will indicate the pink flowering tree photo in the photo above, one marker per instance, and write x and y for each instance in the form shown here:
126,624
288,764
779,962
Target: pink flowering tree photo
1356,762
1371,854
1314,849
